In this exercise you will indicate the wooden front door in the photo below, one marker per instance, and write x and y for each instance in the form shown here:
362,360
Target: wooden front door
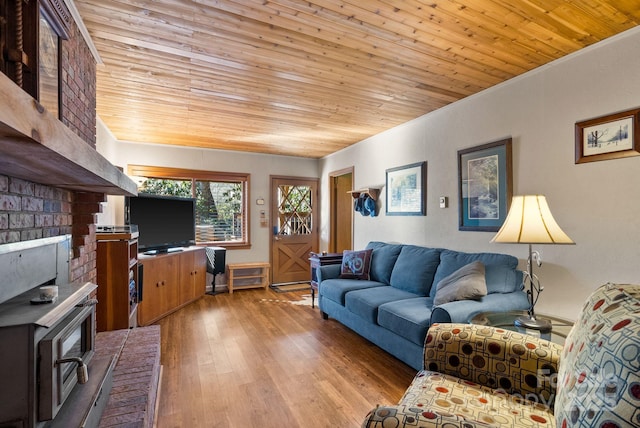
294,221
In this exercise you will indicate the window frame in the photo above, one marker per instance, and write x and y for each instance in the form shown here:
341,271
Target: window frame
195,175
20,41
41,87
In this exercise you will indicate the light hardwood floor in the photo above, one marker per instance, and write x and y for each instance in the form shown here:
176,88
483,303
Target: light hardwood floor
256,359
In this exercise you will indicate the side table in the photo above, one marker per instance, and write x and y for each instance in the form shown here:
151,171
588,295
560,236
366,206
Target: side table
560,327
315,261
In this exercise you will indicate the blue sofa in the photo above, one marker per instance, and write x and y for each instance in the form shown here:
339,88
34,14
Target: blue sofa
394,308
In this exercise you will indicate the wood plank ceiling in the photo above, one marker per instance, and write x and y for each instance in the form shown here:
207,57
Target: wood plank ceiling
307,78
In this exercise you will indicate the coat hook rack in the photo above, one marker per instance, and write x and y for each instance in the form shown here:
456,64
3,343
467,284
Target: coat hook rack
373,192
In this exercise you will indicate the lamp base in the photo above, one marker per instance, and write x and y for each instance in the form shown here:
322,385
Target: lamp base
533,323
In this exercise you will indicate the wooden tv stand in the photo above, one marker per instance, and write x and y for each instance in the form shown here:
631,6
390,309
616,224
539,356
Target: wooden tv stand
170,281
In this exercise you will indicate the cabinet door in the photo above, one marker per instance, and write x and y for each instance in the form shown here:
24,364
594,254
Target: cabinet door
199,272
193,273
160,288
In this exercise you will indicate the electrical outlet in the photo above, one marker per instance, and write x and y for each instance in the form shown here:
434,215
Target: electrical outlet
443,201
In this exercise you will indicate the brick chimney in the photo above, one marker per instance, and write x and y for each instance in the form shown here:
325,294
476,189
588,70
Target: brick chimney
30,210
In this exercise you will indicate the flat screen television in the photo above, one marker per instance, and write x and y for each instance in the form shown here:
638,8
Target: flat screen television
165,223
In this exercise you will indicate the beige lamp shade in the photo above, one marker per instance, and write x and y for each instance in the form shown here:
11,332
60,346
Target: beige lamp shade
529,221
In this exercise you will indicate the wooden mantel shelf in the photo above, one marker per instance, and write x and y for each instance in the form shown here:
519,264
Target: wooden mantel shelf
36,146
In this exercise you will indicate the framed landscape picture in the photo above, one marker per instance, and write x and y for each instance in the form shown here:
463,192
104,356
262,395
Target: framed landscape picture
484,186
608,137
406,189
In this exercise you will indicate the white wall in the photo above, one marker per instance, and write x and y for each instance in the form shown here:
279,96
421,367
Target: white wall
596,203
260,166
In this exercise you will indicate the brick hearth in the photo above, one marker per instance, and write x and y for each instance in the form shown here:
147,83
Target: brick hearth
136,377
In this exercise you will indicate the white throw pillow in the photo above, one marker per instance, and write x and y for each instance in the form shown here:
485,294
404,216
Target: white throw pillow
466,283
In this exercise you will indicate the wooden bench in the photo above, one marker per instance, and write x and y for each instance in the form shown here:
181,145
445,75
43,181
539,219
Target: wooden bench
247,275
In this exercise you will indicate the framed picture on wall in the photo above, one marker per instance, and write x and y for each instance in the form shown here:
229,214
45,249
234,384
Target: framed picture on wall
608,137
406,189
485,186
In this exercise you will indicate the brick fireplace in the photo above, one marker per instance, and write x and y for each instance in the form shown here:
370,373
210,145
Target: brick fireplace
52,181
36,201
32,211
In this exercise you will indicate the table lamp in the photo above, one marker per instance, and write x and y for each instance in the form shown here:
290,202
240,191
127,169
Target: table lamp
529,221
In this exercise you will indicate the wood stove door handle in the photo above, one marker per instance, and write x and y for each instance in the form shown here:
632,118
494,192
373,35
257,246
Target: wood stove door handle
88,302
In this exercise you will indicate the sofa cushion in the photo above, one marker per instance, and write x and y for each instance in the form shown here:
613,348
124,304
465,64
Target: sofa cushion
501,275
336,289
409,318
364,303
467,283
599,373
516,363
438,400
383,258
355,264
415,269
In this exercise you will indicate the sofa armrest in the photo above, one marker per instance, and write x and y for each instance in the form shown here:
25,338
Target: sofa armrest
514,362
411,416
328,272
461,311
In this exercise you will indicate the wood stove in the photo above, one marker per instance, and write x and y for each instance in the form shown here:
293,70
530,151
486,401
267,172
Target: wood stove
50,377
